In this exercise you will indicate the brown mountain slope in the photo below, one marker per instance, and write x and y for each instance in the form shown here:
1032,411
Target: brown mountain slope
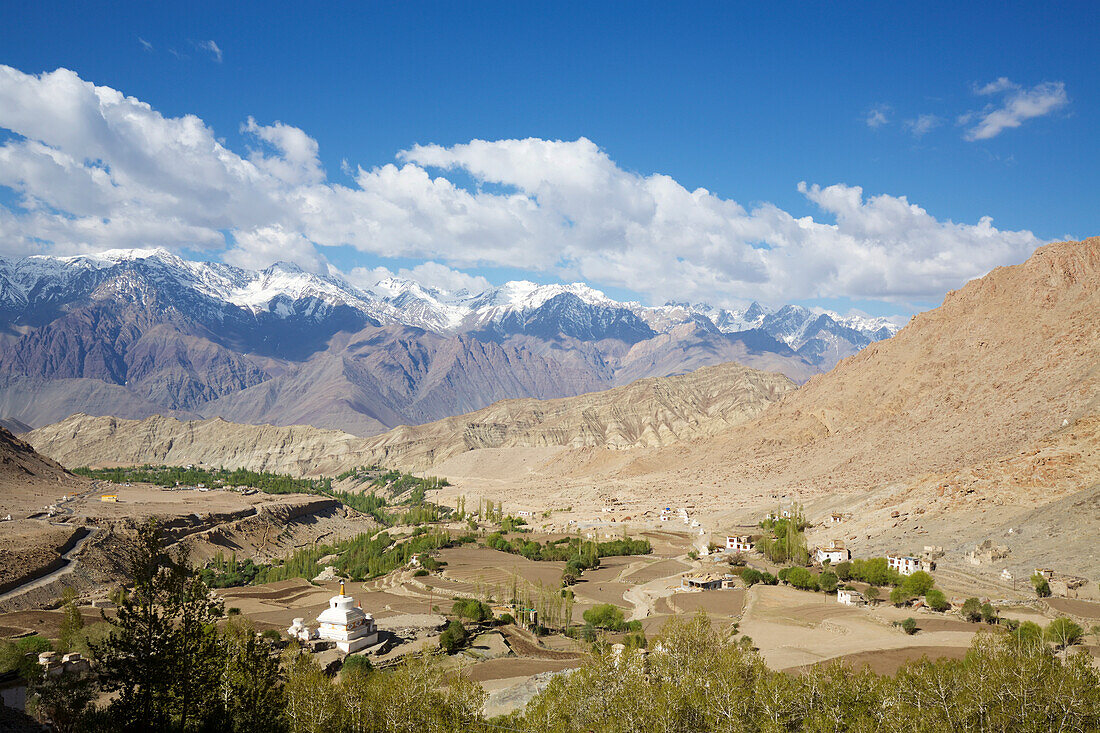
993,370
651,412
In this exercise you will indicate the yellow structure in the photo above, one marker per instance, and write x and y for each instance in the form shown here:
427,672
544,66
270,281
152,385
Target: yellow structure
109,497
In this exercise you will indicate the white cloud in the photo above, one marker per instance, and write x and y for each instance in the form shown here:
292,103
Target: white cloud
95,169
145,44
923,124
429,274
1018,104
212,48
876,117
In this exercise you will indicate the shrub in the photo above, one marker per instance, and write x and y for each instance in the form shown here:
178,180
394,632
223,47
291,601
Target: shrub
271,635
989,614
751,576
1063,632
356,664
472,609
937,601
505,619
972,610
420,573
453,638
604,616
1042,587
909,626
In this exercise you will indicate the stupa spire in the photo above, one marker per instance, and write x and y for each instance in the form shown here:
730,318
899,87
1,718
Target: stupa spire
342,587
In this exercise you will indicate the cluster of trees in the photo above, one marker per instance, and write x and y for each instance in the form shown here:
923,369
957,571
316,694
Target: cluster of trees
801,578
168,476
579,555
784,540
223,572
399,483
694,679
367,557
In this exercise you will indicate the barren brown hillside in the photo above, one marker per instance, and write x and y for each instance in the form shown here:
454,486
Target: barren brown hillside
991,372
646,414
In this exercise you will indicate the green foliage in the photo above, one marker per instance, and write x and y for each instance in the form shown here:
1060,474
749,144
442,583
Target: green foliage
937,601
472,609
171,476
420,573
828,582
989,614
699,681
874,571
900,596
356,664
1042,587
1028,634
505,619
801,578
751,576
843,570
918,584
784,540
1063,632
21,655
605,616
909,626
453,638
972,610
72,623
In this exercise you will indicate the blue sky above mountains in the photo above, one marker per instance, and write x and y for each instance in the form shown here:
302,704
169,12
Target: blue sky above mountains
861,157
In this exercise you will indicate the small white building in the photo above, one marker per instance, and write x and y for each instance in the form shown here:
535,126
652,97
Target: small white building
835,552
850,597
836,518
904,564
346,624
739,543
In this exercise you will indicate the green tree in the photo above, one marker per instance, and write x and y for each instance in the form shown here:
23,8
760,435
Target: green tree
604,616
900,596
989,614
71,622
1063,632
918,583
161,655
64,701
1028,634
872,593
972,610
909,626
1042,587
453,638
251,686
937,601
312,704
828,582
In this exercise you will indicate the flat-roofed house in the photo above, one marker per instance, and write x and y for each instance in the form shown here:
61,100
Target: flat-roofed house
904,564
835,552
740,543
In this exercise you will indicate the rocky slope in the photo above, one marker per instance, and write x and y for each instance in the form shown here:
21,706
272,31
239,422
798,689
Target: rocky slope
133,333
648,413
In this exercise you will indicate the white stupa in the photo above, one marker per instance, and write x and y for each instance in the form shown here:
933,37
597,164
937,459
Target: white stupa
345,623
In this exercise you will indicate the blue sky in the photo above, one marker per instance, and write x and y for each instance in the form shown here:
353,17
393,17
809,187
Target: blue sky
744,101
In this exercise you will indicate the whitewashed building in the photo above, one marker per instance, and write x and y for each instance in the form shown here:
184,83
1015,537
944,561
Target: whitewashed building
835,552
904,564
740,543
850,597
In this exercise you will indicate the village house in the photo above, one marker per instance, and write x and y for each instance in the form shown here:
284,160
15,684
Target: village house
850,597
739,543
835,553
836,518
904,564
705,581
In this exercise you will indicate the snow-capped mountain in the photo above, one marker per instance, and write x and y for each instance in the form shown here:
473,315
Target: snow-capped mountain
134,332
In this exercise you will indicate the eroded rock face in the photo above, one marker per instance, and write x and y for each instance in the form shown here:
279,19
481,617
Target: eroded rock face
651,412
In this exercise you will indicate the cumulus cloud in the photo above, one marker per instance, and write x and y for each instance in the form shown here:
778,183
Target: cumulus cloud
429,274
93,169
212,48
876,116
1016,105
923,124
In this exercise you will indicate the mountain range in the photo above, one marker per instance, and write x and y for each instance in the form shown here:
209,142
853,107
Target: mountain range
134,333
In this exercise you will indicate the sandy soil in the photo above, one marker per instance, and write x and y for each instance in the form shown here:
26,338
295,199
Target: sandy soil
1075,607
508,667
889,661
727,602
